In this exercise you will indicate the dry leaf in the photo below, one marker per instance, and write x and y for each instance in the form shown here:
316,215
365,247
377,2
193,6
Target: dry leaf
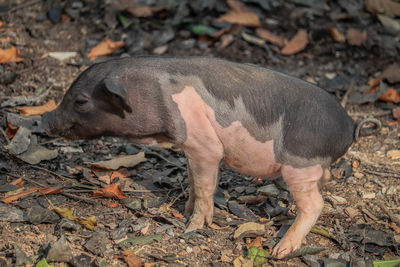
1,23
11,130
124,161
121,173
255,243
89,223
249,226
136,9
226,40
239,14
110,191
296,44
391,95
19,182
387,7
337,35
270,37
396,113
113,205
37,110
104,48
10,55
355,37
131,259
8,200
392,73
176,214
49,190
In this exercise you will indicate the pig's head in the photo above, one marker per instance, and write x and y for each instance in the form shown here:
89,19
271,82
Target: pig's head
95,105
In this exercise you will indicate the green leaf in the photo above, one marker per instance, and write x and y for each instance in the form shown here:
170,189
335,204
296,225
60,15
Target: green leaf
203,29
43,263
125,21
259,255
392,263
139,240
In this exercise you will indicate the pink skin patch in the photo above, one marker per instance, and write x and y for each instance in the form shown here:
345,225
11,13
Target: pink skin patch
207,143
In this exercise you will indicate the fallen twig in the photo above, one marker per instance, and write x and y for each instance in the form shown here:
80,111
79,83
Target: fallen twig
24,5
346,95
5,135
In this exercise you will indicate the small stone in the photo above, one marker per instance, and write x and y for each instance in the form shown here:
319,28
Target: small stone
11,214
160,50
250,190
54,14
7,188
189,43
351,212
240,189
97,244
368,195
391,190
337,200
269,190
132,203
358,175
355,164
21,259
393,154
61,56
38,215
59,251
189,250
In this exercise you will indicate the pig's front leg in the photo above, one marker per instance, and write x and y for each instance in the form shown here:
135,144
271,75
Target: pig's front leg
303,185
203,180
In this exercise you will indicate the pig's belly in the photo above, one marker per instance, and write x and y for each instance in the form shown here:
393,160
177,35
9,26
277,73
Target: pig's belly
245,154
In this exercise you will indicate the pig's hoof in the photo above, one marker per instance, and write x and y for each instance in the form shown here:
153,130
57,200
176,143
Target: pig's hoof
188,209
194,225
282,249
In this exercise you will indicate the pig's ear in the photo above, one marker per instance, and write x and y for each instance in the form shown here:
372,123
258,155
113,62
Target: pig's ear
117,90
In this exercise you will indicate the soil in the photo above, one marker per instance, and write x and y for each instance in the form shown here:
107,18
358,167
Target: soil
366,177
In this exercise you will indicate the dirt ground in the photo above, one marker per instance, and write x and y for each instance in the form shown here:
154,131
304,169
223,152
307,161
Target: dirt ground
362,194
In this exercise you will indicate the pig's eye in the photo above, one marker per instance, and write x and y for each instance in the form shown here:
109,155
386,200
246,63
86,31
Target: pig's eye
81,101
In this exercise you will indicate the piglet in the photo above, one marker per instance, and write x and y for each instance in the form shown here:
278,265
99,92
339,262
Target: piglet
258,121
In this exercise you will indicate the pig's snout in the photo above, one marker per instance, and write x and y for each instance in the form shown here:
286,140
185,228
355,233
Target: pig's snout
48,123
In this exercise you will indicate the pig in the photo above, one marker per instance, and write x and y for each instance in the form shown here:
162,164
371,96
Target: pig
258,121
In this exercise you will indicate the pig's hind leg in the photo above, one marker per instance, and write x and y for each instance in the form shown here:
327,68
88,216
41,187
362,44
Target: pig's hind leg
303,185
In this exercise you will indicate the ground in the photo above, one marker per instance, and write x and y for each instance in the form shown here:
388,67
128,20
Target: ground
361,197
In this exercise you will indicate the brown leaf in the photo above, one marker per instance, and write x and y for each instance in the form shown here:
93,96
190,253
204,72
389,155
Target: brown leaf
296,44
19,182
113,205
337,35
10,55
49,190
104,48
255,243
270,37
110,191
226,40
391,95
392,73
11,130
8,200
396,113
1,23
131,259
355,37
387,7
37,110
136,9
121,173
124,161
176,214
239,14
